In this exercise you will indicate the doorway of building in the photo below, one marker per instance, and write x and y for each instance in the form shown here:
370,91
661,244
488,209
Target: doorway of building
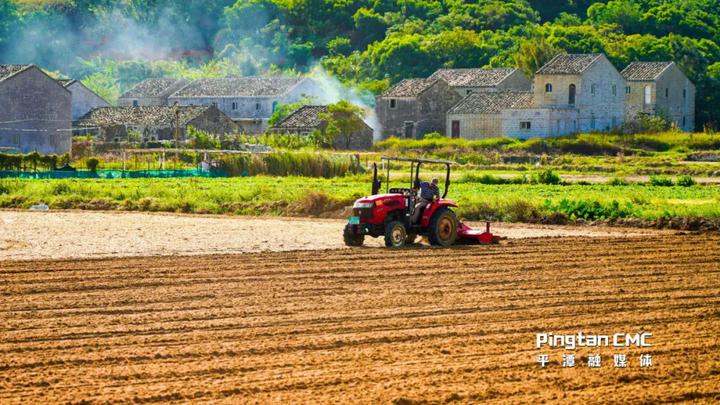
409,129
455,132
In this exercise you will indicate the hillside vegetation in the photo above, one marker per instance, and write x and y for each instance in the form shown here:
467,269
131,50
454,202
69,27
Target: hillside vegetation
113,44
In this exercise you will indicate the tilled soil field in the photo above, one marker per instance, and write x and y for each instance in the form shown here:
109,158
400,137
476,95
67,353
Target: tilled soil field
365,325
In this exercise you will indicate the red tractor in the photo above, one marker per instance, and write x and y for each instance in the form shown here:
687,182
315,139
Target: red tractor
390,214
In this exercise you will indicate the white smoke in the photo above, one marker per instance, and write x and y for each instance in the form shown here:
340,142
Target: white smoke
334,91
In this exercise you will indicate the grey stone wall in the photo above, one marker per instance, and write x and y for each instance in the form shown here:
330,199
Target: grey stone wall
35,113
517,81
84,100
427,112
476,126
393,119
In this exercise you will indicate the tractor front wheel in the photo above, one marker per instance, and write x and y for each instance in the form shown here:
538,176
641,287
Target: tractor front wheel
443,228
351,238
395,234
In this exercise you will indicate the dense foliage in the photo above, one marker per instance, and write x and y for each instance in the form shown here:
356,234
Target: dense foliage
371,44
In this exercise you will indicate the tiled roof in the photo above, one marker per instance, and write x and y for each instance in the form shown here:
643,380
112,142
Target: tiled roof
644,70
161,87
7,71
408,88
253,86
473,77
492,103
304,117
569,64
154,116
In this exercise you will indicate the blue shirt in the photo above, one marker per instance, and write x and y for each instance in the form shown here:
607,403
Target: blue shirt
429,190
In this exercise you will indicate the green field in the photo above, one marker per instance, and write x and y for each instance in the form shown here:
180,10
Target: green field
263,195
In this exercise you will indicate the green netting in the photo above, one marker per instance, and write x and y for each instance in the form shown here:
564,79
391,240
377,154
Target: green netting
111,174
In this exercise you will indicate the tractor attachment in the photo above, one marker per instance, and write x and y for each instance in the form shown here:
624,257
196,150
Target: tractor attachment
468,235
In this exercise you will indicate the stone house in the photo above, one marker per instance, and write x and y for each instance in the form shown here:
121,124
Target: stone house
249,101
466,81
479,115
586,82
415,107
154,123
306,120
151,92
83,99
660,88
35,111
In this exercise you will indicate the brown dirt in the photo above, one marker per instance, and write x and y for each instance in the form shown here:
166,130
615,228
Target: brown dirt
82,234
364,325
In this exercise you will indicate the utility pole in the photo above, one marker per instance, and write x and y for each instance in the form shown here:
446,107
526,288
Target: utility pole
177,132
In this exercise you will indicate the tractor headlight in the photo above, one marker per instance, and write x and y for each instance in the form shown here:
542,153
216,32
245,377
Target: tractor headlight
363,204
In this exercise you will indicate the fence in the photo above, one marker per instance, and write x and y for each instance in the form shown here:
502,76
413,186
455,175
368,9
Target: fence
111,174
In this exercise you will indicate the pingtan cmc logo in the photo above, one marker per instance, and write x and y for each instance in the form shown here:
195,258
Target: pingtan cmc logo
617,341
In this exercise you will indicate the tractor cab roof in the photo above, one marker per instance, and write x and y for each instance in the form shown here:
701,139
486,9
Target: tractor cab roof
418,160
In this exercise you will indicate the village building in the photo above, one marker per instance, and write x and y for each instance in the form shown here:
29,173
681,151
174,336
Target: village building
570,94
660,88
249,101
307,119
588,83
466,81
154,123
35,111
83,99
415,107
151,92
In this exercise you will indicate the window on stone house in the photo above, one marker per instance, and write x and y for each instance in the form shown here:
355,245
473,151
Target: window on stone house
525,125
548,88
393,103
592,121
684,94
614,122
234,105
135,103
667,92
684,121
648,95
593,89
468,92
257,106
571,94
627,90
614,90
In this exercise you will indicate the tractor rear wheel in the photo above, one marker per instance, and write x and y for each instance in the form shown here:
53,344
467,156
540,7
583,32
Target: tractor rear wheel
395,234
443,228
351,238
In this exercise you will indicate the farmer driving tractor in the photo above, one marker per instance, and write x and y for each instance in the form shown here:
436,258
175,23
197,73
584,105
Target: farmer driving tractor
429,192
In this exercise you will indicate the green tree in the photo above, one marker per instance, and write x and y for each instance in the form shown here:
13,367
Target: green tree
533,53
343,122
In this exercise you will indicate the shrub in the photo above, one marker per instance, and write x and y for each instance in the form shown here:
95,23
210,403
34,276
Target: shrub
546,177
92,164
617,181
661,181
686,181
591,210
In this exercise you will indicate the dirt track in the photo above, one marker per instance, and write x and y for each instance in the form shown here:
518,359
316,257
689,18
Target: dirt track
364,325
81,234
